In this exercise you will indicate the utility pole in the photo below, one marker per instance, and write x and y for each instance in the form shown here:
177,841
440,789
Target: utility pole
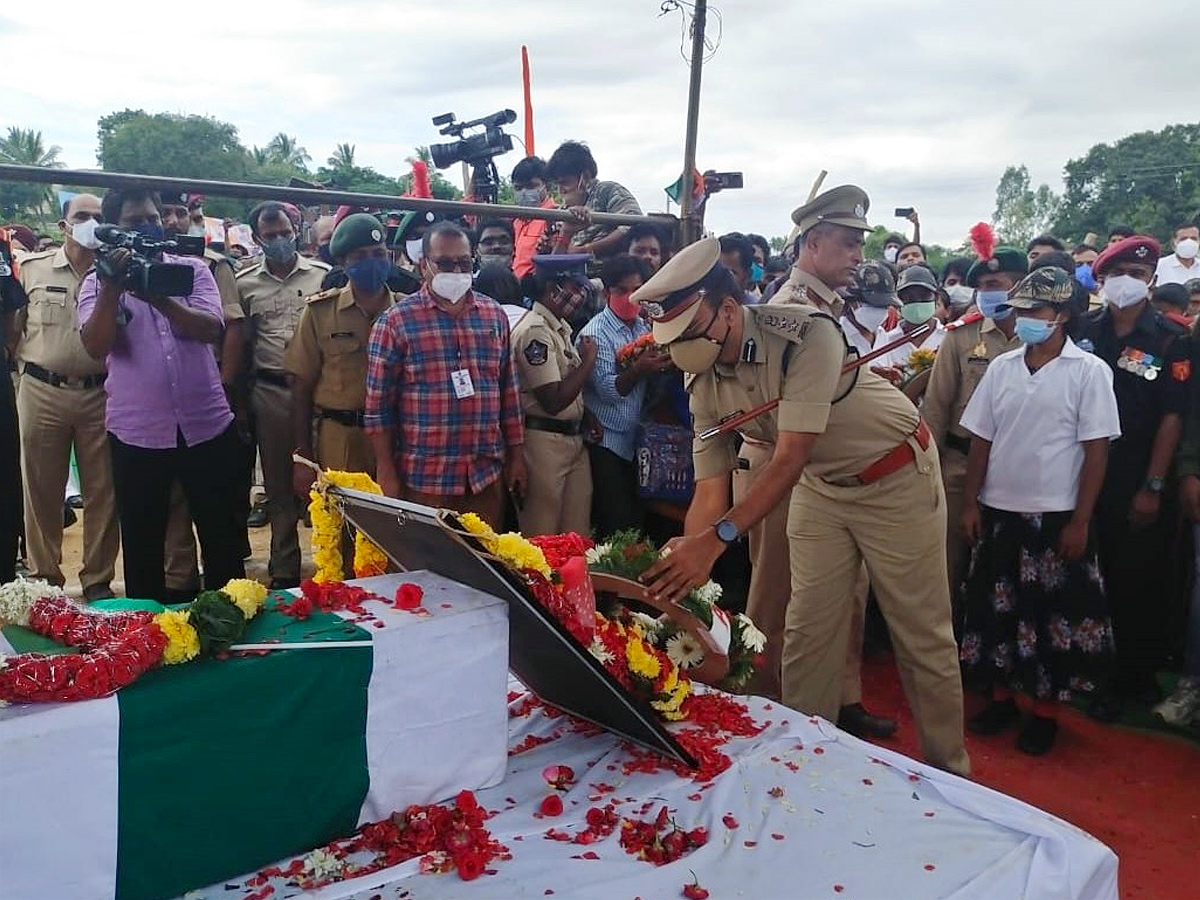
687,223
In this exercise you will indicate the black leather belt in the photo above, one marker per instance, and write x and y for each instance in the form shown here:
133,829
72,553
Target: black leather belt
743,464
961,444
272,376
55,380
558,426
351,418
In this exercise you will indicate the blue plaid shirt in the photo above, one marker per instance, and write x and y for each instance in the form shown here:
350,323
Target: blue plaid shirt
619,415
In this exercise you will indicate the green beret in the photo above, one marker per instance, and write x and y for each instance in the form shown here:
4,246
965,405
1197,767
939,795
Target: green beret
1004,259
353,232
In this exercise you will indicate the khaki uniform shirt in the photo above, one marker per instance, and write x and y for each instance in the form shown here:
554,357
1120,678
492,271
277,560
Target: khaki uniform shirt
222,272
329,348
275,305
48,328
957,371
543,354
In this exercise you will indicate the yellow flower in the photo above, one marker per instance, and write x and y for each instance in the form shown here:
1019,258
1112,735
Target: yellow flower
510,548
368,559
248,595
476,525
641,661
671,707
182,641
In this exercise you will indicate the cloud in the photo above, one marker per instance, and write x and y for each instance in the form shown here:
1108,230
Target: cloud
923,103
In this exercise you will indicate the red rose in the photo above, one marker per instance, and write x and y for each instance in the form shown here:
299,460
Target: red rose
693,891
470,865
409,596
551,806
300,608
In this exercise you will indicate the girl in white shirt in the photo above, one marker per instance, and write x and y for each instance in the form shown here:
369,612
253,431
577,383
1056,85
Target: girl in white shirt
1036,619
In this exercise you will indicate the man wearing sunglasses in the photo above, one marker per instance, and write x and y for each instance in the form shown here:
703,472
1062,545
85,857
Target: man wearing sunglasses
850,450
442,407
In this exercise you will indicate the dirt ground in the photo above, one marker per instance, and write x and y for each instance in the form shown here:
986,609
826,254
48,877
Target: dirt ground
256,565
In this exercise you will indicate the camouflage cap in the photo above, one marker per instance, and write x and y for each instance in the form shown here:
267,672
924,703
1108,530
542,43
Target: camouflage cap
1004,259
874,284
355,231
1047,286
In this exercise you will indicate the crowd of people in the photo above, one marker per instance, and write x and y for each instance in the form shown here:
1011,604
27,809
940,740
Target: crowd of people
1001,457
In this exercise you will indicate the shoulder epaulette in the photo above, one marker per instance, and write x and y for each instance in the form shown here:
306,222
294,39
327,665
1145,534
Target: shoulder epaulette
324,295
791,321
257,267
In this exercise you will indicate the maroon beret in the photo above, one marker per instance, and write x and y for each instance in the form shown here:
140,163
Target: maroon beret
1138,248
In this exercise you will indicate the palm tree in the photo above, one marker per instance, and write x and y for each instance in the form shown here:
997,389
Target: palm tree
25,147
286,149
343,157
260,155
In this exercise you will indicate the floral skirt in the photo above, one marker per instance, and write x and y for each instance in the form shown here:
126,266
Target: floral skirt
1032,622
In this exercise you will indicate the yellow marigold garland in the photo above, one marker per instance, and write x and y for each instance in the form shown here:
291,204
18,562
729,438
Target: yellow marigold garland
641,661
183,644
248,595
510,547
327,531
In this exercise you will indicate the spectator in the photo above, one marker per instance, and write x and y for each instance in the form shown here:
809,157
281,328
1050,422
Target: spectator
1171,299
61,405
955,271
1084,254
12,299
442,408
762,252
614,396
1180,266
167,416
274,293
917,290
1036,620
1119,233
737,255
531,236
646,241
1043,243
1193,289
551,374
574,171
873,308
495,243
910,254
322,234
891,247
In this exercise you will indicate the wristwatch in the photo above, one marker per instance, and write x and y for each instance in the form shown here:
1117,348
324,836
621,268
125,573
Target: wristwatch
1154,484
727,531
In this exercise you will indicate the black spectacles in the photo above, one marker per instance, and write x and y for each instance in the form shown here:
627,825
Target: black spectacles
462,264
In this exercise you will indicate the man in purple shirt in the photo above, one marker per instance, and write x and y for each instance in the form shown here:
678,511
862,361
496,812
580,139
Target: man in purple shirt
167,415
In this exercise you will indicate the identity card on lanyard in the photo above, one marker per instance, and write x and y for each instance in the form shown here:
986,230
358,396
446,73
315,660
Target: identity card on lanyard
463,388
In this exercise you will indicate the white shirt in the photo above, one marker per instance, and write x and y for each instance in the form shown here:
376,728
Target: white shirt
854,336
1171,270
900,356
1037,423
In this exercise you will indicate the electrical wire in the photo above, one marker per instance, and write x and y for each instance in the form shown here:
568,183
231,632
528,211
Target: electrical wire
688,22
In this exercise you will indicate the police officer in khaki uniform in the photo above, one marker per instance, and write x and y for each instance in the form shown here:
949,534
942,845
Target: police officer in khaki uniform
274,293
849,448
957,370
328,355
551,374
61,402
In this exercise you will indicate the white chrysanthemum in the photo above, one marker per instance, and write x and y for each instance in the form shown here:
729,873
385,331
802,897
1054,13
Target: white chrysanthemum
598,650
684,650
649,624
322,864
597,553
17,598
709,592
753,638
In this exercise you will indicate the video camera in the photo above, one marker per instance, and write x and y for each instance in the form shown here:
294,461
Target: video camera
477,147
146,275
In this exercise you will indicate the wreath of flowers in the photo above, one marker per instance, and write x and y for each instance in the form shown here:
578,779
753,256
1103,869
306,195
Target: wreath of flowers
628,354
116,647
918,361
628,554
327,525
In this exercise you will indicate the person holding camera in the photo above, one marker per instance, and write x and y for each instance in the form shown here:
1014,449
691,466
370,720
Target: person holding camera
167,416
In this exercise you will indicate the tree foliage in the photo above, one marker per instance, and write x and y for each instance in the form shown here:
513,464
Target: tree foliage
26,201
1022,213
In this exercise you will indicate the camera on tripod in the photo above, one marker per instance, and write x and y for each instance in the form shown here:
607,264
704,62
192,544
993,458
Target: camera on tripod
476,150
146,275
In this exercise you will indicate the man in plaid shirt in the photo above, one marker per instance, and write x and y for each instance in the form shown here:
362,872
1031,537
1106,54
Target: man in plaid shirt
442,407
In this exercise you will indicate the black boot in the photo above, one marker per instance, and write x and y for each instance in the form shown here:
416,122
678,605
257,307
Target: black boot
855,719
1036,736
997,716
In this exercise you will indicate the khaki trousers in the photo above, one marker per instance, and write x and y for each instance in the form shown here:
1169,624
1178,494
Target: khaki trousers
954,480
898,527
559,498
343,448
488,503
51,420
771,587
180,559
272,405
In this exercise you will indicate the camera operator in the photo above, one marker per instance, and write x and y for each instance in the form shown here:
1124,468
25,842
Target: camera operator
167,415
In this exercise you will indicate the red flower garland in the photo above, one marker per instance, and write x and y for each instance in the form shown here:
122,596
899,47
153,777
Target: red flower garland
118,649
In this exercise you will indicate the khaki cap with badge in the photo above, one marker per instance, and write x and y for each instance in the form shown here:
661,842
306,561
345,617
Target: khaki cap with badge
844,205
671,298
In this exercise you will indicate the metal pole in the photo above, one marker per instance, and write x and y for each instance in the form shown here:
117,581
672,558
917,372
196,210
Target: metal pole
693,120
311,196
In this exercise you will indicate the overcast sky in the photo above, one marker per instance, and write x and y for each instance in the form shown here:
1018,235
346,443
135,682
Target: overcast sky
921,103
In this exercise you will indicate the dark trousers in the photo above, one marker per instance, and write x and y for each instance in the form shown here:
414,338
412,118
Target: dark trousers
11,503
212,480
615,502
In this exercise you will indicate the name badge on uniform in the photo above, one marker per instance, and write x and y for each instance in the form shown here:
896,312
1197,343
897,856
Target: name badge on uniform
463,387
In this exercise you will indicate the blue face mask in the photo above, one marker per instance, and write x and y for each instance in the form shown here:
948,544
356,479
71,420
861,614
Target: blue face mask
370,275
152,231
756,273
1084,275
989,301
1034,331
324,254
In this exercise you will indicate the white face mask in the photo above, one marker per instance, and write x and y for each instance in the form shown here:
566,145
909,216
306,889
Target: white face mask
196,231
412,249
890,253
960,296
871,317
84,234
451,286
1124,291
1186,249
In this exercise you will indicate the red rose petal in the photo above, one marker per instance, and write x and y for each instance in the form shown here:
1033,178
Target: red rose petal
730,821
838,888
867,781
818,750
776,836
929,867
750,843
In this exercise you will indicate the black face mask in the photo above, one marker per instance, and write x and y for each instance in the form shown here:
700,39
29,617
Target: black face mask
324,254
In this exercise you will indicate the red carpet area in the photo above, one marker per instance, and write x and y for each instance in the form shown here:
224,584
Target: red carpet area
1137,791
